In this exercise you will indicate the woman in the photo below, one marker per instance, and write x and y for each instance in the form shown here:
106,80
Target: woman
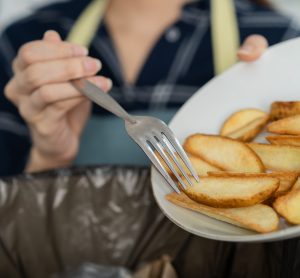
156,53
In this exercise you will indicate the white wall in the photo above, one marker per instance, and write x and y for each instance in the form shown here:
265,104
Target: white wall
10,10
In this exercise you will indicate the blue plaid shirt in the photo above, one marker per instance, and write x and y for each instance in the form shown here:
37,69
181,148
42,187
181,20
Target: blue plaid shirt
179,63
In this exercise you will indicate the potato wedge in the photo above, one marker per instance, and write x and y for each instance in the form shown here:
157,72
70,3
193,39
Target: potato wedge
287,126
249,131
278,157
286,179
288,206
283,109
230,192
200,166
225,153
240,119
290,140
259,218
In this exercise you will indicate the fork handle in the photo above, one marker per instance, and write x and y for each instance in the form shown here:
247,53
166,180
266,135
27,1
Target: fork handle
104,100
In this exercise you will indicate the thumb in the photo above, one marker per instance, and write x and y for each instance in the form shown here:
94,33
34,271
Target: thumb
52,36
252,48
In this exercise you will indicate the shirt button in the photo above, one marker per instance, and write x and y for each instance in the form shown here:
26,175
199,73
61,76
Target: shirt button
173,34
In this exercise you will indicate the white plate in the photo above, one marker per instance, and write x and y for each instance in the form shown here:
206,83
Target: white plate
276,76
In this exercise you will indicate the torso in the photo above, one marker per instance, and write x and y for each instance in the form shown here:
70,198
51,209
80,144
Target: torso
135,26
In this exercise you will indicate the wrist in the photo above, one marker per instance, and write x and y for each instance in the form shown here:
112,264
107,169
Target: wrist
39,162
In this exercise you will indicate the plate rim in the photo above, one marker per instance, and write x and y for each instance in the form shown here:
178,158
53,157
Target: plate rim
288,233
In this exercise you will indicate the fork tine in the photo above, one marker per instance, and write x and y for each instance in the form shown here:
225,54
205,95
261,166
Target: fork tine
178,148
149,152
156,145
171,153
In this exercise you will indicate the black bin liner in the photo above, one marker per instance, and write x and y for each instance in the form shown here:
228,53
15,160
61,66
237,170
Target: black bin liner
58,220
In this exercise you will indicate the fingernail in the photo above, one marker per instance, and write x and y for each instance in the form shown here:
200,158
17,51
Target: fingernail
109,83
105,83
246,49
91,65
80,50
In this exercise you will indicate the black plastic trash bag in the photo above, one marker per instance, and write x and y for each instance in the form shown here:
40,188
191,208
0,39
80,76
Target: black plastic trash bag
54,222
89,270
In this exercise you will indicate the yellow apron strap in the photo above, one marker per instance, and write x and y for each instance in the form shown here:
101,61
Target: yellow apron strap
87,24
225,34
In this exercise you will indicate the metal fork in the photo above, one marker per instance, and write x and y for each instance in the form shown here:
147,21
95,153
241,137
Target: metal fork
150,133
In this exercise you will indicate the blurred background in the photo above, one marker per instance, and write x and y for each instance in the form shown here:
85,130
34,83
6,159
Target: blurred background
291,7
11,10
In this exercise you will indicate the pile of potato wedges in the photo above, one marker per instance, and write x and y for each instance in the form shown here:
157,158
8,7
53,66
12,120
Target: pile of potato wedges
244,183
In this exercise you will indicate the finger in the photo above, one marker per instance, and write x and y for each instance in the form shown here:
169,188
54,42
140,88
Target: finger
16,94
41,51
59,109
68,50
50,94
11,92
57,71
15,65
103,83
34,112
56,95
47,121
253,47
79,115
52,36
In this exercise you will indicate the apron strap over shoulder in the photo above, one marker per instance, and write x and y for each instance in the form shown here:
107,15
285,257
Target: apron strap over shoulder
86,26
225,34
224,26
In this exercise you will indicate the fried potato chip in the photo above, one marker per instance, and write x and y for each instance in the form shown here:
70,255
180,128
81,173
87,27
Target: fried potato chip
200,166
225,153
259,218
278,157
288,126
283,109
288,206
240,119
230,192
249,131
290,140
286,179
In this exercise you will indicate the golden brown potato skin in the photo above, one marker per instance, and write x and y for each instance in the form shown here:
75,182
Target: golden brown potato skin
232,192
259,218
286,179
226,153
283,109
286,126
278,157
240,119
248,132
289,140
288,206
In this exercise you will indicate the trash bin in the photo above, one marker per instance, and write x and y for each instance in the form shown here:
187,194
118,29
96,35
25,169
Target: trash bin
55,222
